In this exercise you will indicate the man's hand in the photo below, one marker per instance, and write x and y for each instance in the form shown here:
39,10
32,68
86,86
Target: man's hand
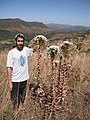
10,85
9,80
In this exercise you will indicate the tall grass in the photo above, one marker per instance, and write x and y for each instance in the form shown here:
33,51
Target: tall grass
77,105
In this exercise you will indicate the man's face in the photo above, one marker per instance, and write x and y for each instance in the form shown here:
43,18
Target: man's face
20,43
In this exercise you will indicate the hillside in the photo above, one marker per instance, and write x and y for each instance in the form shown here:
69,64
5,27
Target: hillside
75,104
65,28
9,27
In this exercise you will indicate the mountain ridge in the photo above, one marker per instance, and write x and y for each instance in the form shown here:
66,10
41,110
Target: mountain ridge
10,27
16,25
67,27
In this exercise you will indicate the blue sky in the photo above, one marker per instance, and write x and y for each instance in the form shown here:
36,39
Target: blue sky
72,12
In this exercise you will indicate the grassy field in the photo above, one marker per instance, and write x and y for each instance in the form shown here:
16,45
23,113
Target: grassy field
76,105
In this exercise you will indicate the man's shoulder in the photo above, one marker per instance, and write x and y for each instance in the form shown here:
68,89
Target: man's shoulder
29,51
11,50
27,48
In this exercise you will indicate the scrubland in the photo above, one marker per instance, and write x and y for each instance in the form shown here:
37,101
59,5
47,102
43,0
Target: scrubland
77,99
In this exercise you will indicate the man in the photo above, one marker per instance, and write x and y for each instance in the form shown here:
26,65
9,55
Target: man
17,71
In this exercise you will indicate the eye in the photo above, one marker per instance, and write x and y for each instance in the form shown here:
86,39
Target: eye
20,41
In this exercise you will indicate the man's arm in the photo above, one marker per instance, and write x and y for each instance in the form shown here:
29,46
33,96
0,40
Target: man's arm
9,80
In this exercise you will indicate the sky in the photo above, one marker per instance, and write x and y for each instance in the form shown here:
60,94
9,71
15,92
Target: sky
71,12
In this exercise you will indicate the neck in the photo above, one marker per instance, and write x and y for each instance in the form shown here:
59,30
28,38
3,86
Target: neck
20,49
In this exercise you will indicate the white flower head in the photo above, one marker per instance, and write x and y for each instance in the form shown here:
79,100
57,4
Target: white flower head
53,50
39,40
68,43
39,37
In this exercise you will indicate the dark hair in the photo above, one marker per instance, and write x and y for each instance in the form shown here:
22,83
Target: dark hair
19,35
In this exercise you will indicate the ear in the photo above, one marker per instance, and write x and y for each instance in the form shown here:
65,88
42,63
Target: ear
14,43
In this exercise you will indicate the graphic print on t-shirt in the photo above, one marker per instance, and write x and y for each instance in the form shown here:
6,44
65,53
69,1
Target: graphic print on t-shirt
21,60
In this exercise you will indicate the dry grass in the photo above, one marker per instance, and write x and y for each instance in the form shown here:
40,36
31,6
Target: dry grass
77,106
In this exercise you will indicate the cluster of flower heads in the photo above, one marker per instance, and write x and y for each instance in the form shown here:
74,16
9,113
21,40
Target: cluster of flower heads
66,45
53,50
63,48
39,40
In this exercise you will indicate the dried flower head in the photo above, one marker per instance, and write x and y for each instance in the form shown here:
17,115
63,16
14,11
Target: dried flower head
66,48
39,40
53,50
68,43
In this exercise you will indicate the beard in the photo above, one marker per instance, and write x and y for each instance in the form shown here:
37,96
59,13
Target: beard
20,46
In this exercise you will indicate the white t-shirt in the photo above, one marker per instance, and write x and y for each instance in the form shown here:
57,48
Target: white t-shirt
18,60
